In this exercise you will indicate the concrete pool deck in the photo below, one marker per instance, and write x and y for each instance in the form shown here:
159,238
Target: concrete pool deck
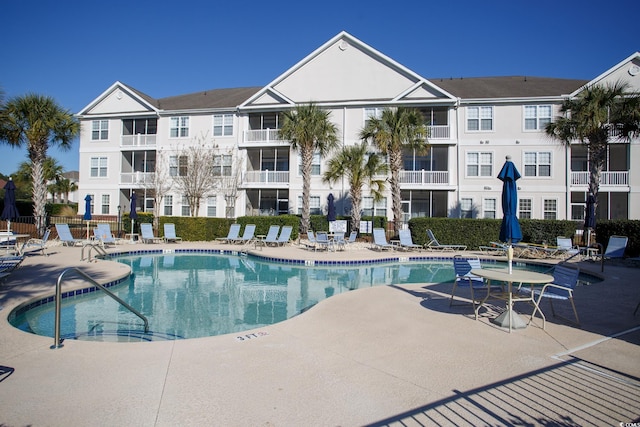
387,355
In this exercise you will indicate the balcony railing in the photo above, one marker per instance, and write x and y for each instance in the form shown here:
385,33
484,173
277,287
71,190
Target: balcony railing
424,177
137,178
138,140
439,132
266,177
265,136
606,178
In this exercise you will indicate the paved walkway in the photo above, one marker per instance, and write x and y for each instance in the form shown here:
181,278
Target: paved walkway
389,355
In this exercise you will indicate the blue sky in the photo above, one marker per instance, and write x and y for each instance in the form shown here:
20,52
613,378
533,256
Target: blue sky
74,50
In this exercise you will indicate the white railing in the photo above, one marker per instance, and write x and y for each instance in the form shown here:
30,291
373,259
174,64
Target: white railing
424,177
137,178
138,140
263,177
262,135
439,132
606,178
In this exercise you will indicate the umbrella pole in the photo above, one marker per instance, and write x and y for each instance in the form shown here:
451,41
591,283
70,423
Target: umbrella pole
131,235
510,258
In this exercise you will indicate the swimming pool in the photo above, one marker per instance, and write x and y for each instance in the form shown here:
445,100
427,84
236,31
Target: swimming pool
197,295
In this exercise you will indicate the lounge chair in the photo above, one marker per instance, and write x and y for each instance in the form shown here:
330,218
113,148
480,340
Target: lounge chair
8,264
285,235
65,236
8,241
406,242
615,247
566,248
248,235
146,231
495,248
271,237
380,240
338,241
323,241
565,279
311,241
103,235
434,244
462,266
33,245
170,233
232,236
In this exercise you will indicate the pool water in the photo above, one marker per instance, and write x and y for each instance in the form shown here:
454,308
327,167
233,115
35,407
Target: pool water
200,295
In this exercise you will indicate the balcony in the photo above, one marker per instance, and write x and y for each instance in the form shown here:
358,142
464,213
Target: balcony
431,178
438,132
613,179
135,141
262,137
266,179
137,178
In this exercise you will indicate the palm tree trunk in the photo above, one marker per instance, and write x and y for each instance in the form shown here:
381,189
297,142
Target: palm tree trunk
356,204
39,192
395,163
307,162
597,159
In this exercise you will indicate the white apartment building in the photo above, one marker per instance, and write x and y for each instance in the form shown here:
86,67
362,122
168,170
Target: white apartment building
474,124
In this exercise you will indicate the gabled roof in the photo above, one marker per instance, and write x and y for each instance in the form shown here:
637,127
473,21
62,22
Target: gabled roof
613,74
215,98
508,87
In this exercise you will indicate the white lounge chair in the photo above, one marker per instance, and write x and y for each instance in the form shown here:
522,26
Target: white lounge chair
285,235
146,231
380,240
232,236
406,241
33,245
434,244
248,235
65,236
103,235
272,236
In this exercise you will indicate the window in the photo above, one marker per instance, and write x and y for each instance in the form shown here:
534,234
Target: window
223,125
479,164
315,164
524,208
372,113
178,165
185,211
105,204
536,117
314,205
179,127
93,197
168,205
479,118
98,167
100,130
466,207
489,207
140,126
369,208
537,164
211,205
550,209
222,165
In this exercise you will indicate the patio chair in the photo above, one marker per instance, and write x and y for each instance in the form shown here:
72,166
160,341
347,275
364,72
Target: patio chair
170,233
33,245
311,241
146,231
352,237
406,242
103,235
615,247
8,264
232,236
7,241
380,240
434,244
271,237
285,235
495,248
462,267
248,235
323,242
566,248
338,241
65,236
565,279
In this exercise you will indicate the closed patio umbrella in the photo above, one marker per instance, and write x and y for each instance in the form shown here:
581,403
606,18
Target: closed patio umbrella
10,210
331,208
133,214
87,212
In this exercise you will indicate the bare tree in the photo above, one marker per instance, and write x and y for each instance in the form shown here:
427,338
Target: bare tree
159,186
195,174
228,168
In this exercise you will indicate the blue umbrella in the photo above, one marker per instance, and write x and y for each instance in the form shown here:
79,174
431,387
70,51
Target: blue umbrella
10,210
87,212
133,214
510,228
331,208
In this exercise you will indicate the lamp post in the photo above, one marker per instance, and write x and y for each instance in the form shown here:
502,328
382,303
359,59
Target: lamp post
119,222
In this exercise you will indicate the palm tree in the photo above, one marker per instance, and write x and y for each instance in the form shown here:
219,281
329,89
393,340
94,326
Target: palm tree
309,130
596,116
396,131
37,121
360,168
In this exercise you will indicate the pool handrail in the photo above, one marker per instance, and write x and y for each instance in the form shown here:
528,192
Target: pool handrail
57,343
